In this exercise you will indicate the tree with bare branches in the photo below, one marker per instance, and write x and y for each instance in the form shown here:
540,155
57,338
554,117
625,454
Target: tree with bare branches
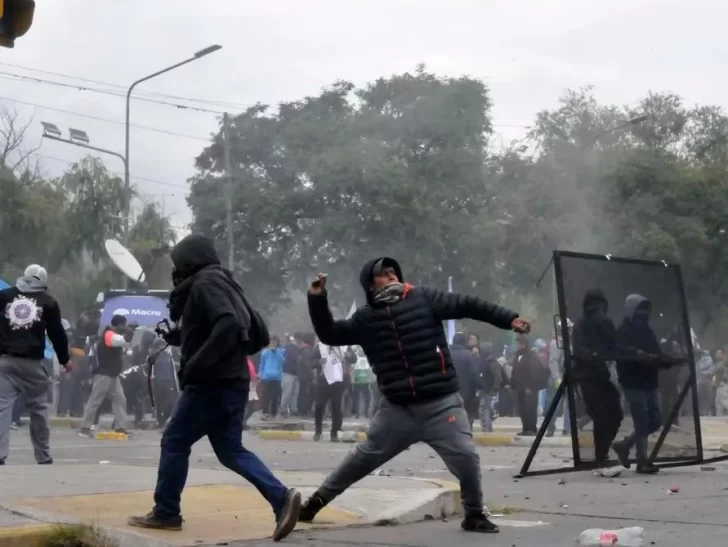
14,151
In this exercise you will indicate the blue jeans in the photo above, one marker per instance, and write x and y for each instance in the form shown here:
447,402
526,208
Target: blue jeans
486,411
644,405
217,413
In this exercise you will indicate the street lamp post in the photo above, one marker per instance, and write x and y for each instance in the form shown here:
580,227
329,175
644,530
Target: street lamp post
127,184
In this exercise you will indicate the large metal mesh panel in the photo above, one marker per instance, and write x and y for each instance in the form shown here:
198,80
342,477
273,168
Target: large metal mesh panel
623,285
607,347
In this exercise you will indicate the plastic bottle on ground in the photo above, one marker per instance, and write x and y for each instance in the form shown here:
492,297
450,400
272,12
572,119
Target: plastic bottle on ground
626,537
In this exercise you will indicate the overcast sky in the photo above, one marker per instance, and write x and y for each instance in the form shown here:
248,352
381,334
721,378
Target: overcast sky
527,51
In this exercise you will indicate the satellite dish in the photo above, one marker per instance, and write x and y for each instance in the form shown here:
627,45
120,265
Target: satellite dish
124,260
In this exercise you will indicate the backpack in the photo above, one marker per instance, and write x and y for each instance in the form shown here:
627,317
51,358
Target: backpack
258,335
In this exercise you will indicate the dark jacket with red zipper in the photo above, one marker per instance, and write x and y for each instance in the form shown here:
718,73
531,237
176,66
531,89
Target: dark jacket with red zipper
405,343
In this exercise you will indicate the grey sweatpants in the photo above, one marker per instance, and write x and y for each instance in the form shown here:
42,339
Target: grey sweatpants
105,386
28,379
443,424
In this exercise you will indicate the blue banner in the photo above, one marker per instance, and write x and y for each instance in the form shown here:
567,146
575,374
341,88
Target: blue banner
144,310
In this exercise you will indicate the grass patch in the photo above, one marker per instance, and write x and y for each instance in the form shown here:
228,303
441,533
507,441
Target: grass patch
78,535
501,509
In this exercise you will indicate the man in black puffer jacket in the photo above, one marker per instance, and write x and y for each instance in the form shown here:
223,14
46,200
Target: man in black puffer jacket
400,330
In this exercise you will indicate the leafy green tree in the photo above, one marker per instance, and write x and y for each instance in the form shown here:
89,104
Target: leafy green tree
326,183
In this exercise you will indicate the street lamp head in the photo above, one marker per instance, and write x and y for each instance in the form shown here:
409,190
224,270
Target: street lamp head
638,120
78,135
51,130
207,51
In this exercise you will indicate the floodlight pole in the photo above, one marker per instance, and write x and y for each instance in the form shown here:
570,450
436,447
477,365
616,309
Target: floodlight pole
127,184
87,146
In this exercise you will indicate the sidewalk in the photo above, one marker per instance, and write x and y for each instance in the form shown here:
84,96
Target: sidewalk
218,507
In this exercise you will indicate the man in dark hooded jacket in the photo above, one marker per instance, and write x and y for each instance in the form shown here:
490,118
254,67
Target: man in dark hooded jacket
595,344
216,334
401,333
638,371
467,368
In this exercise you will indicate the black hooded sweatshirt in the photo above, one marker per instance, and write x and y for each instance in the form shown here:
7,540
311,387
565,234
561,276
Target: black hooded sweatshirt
594,340
405,342
634,336
25,319
213,322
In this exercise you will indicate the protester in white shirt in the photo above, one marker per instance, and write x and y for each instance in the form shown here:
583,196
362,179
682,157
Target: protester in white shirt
329,389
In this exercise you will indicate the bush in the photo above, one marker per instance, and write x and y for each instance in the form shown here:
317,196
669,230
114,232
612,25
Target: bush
78,535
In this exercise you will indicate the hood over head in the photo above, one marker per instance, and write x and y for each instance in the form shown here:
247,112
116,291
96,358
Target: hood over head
593,299
192,254
594,296
34,279
367,272
631,303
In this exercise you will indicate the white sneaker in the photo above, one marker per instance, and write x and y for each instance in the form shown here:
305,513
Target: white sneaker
14,426
93,428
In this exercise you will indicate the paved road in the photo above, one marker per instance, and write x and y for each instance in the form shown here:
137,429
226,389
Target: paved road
545,511
143,449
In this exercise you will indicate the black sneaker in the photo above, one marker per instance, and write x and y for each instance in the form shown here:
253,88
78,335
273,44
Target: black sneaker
288,517
49,461
317,436
335,438
2,462
311,508
150,520
86,432
647,469
622,453
479,523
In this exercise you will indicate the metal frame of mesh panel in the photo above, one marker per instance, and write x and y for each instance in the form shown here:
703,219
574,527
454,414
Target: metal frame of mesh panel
642,276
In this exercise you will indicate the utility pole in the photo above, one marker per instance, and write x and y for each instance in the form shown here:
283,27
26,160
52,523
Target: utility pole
229,185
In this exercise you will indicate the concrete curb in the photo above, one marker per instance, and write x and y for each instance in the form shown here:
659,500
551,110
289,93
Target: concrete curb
724,448
482,439
413,504
586,441
439,503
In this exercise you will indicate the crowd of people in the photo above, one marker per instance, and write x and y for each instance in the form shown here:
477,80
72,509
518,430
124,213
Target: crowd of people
397,339
389,361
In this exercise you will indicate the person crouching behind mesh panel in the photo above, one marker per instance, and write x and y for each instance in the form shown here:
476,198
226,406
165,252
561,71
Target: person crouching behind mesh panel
109,363
638,375
595,343
401,332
